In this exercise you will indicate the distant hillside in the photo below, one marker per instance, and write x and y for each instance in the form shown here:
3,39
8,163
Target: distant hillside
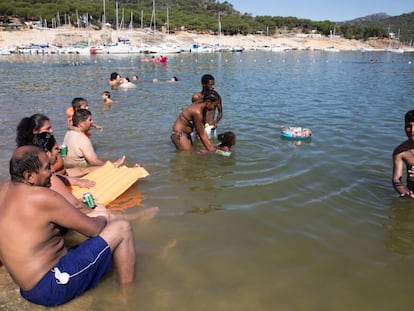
401,27
194,15
373,18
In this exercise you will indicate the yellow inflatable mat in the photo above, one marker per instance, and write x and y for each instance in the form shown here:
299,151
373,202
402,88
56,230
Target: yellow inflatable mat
111,182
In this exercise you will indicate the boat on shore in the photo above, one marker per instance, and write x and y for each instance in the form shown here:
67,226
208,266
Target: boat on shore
398,50
122,46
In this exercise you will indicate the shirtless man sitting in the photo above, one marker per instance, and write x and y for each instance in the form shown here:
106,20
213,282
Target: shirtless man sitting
31,244
80,149
402,156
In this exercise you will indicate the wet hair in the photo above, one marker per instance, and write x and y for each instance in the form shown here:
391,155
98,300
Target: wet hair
80,116
409,116
24,161
26,126
205,79
44,141
212,95
113,76
107,93
227,139
77,102
175,78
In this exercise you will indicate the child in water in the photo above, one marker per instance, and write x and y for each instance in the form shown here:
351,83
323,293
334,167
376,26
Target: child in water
227,140
79,103
107,100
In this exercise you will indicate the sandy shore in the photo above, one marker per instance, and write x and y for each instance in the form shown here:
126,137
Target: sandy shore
63,37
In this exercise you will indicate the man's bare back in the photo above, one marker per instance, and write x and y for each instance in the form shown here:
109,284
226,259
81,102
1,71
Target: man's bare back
30,239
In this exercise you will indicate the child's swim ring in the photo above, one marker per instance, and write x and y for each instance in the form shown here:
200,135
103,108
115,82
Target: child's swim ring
296,133
223,153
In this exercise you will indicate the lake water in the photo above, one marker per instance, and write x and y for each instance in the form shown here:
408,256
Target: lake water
275,226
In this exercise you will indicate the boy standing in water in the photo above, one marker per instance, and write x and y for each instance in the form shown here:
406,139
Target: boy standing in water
404,155
207,83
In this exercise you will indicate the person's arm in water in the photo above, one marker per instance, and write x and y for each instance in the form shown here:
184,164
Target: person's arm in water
90,156
398,168
219,114
199,125
96,126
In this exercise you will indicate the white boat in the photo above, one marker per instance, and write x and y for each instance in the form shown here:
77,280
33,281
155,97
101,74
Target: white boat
122,46
6,51
202,48
265,48
277,48
74,49
399,51
34,49
163,49
371,50
237,49
331,49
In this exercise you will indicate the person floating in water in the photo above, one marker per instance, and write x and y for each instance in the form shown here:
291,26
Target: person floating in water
172,80
403,155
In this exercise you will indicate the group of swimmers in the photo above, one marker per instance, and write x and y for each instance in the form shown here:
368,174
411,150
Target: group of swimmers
199,119
117,81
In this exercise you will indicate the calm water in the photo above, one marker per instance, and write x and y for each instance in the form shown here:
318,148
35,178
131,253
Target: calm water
276,226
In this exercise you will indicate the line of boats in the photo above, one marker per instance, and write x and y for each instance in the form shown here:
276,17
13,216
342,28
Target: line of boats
124,46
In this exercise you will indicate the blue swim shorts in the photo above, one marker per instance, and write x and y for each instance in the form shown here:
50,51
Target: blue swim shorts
79,270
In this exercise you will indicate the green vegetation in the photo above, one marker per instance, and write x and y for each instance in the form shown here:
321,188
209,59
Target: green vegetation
194,15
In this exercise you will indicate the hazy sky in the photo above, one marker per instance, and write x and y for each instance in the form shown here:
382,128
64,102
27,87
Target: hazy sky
318,10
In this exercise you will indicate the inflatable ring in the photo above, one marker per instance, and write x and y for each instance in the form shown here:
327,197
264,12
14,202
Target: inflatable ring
223,153
296,133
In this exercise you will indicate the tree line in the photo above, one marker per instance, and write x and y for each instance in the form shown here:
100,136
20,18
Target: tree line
192,15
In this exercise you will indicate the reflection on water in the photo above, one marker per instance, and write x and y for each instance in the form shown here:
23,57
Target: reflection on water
278,225
401,230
